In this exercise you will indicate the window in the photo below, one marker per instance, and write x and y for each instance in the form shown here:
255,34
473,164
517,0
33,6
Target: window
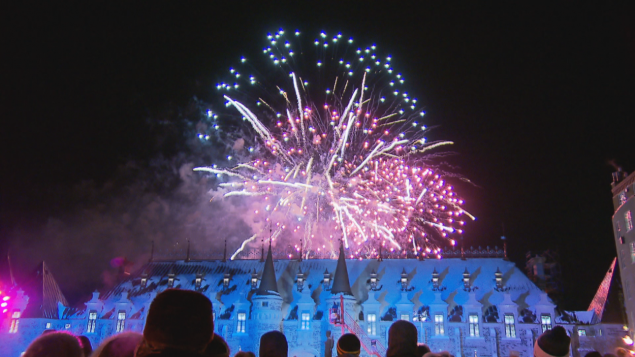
15,321
170,282
473,319
306,320
265,304
629,221
510,328
545,322
632,245
372,324
438,325
198,282
405,317
67,326
240,327
121,321
622,197
144,282
581,332
48,325
92,319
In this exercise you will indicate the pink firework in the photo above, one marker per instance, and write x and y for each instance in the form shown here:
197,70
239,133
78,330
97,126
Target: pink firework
347,160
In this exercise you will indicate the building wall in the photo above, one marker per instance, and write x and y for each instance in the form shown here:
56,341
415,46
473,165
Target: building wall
492,339
624,233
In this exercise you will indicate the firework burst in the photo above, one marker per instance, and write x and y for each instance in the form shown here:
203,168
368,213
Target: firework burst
338,151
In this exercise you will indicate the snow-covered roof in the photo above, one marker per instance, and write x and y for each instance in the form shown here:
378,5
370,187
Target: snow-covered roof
522,291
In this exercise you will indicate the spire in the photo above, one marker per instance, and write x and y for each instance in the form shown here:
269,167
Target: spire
341,283
599,300
151,253
268,285
44,294
225,252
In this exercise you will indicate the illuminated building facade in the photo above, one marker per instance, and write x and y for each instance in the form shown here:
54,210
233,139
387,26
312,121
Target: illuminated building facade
472,302
624,205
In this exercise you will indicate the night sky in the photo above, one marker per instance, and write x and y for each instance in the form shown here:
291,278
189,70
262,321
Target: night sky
538,99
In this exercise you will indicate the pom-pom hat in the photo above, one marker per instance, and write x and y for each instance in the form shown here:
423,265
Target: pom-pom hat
552,343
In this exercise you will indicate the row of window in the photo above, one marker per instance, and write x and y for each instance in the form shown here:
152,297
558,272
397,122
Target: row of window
628,220
305,320
473,321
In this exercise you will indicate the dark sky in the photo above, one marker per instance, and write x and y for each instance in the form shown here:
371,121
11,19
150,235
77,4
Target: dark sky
537,99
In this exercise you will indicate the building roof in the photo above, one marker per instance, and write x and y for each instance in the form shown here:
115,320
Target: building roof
45,297
523,291
268,285
341,284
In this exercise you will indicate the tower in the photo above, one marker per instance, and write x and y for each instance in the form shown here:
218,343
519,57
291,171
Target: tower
624,206
267,303
341,292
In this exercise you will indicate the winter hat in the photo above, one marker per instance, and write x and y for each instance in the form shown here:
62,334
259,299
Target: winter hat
552,343
273,344
348,344
422,349
181,319
217,347
120,345
402,339
55,344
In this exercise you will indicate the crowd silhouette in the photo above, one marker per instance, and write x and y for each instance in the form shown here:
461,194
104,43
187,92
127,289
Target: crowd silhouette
180,324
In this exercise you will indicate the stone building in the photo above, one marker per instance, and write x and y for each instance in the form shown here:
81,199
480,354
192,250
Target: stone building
473,303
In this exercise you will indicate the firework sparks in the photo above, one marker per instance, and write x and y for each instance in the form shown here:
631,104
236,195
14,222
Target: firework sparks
343,157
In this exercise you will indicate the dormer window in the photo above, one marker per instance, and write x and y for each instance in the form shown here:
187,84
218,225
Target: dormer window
306,320
545,322
466,279
300,280
144,282
121,321
327,279
435,279
240,326
373,280
499,278
404,280
510,327
254,279
226,278
371,324
92,320
197,282
439,330
170,282
473,320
